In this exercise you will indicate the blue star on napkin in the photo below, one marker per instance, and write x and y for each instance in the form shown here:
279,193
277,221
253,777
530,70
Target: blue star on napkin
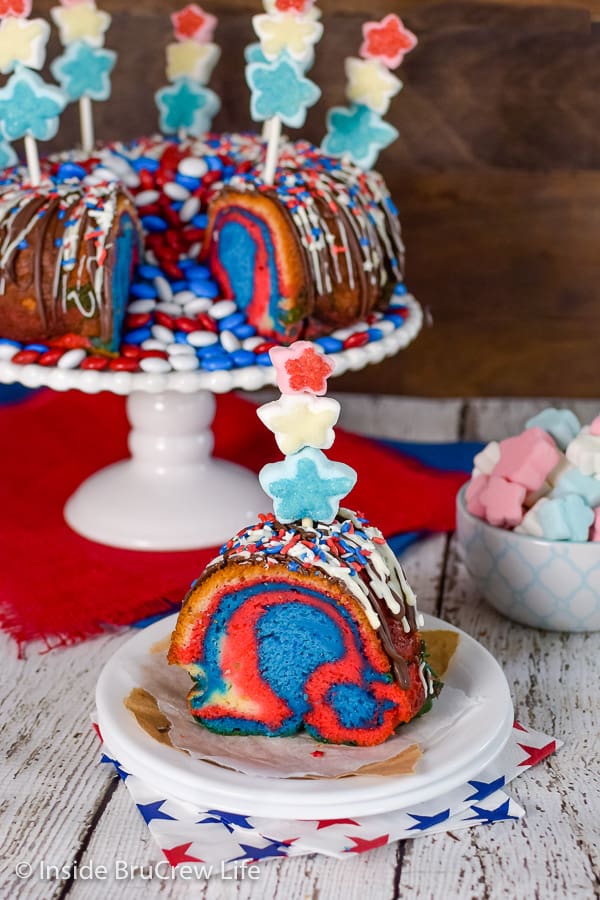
151,811
84,71
358,132
29,106
279,88
186,106
307,485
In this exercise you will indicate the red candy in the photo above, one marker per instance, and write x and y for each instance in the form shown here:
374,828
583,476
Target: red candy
131,351
356,340
163,319
186,325
95,363
51,357
208,323
25,357
123,365
159,354
137,320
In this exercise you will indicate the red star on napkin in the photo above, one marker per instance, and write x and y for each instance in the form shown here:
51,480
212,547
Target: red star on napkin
536,754
192,24
388,41
363,845
19,8
327,823
179,854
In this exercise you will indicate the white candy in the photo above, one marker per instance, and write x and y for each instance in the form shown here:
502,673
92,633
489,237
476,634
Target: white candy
189,209
181,350
176,191
197,305
7,351
184,363
562,466
131,179
141,306
163,289
183,297
172,309
155,364
105,174
153,344
202,338
229,341
584,452
192,167
195,251
531,520
162,334
146,198
485,461
252,342
222,308
385,326
72,358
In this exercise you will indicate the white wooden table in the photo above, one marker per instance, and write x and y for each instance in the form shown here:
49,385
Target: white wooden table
59,806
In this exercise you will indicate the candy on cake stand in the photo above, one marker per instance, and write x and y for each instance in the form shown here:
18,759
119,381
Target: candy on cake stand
172,494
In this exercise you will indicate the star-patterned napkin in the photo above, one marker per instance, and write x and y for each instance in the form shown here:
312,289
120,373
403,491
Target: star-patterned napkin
214,837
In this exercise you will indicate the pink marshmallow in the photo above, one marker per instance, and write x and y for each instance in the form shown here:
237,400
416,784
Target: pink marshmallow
595,529
527,459
595,427
473,495
503,501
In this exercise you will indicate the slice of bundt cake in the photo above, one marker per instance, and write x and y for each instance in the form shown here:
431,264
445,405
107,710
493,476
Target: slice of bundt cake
314,627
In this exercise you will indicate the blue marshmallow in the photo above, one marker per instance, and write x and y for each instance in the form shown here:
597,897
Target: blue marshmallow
561,424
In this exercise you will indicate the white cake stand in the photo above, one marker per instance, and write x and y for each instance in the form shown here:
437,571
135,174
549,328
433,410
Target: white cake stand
171,494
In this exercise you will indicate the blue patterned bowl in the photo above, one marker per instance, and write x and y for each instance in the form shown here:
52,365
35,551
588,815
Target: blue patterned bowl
547,584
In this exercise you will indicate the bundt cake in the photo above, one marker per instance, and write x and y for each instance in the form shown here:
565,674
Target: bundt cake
309,627
317,250
67,254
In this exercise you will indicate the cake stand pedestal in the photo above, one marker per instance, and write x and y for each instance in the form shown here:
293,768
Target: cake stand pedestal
171,494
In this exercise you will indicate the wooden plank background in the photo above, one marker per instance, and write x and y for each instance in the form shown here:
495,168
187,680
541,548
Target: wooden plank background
496,174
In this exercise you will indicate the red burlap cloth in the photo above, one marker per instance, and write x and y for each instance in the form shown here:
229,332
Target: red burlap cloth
62,588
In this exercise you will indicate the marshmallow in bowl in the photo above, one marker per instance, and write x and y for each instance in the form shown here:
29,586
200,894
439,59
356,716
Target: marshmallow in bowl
573,481
561,424
584,450
485,461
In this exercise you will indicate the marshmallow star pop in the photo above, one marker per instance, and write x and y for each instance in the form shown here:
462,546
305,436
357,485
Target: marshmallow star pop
358,131
281,92
186,106
83,71
29,107
306,486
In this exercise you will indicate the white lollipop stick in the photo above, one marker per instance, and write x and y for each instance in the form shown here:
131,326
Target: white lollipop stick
33,160
86,120
274,134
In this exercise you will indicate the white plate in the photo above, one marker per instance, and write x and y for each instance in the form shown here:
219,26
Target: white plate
468,747
248,378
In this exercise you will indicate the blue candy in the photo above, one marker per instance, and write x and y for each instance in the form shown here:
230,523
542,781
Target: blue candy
70,170
204,289
138,336
39,348
186,181
375,334
196,271
143,291
400,290
145,163
561,424
154,224
215,363
200,220
566,519
181,337
145,270
242,358
263,359
10,343
227,323
244,331
330,344
397,320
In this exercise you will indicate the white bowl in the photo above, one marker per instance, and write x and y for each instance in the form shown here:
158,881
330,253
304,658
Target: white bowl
547,584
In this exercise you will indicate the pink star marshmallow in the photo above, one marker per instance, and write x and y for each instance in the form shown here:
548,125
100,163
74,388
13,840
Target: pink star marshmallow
476,485
527,459
301,369
595,529
503,502
595,427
